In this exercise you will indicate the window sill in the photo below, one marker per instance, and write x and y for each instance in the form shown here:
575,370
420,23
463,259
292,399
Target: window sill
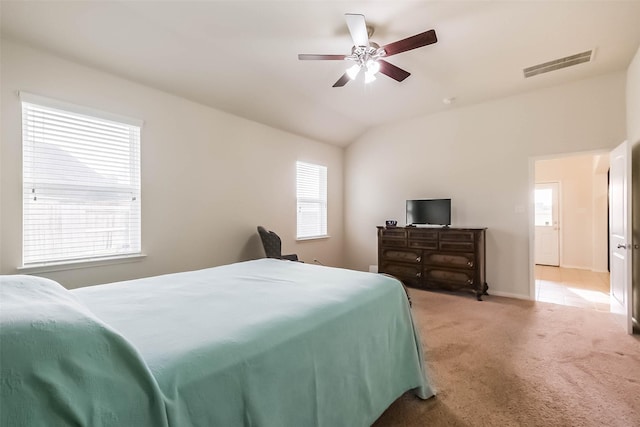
303,239
74,265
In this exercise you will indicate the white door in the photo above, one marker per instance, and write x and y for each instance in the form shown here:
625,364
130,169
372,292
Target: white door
547,237
620,233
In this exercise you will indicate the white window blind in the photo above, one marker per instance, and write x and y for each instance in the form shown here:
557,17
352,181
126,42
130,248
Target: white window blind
81,183
311,183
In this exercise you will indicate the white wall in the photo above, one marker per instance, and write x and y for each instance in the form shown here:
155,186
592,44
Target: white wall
208,177
600,225
479,156
583,207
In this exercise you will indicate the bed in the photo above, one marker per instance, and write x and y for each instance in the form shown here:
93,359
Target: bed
256,343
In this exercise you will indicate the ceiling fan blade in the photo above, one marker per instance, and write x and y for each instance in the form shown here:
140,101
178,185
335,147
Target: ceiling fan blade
311,56
413,42
396,73
342,80
357,28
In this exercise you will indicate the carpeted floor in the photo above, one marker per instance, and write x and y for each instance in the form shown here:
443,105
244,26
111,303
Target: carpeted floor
507,362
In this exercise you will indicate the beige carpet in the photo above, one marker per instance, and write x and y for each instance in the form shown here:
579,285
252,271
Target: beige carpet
506,362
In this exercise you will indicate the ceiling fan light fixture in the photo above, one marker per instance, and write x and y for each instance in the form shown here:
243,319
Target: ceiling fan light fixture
373,66
369,76
367,54
353,71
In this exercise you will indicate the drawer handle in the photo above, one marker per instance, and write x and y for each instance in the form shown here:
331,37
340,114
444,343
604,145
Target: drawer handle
418,274
418,259
470,264
470,282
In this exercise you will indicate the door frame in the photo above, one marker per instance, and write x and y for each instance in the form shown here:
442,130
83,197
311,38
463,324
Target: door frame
531,205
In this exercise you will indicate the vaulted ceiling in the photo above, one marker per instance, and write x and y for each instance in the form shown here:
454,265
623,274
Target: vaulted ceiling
241,56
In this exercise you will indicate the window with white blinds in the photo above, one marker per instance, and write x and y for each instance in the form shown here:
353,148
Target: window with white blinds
81,183
311,184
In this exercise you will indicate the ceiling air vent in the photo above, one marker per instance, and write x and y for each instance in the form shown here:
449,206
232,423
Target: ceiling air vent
557,64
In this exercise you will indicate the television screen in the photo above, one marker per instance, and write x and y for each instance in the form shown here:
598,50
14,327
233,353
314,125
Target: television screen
431,212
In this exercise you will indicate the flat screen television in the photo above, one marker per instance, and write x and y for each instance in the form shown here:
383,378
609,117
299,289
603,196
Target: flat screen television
429,212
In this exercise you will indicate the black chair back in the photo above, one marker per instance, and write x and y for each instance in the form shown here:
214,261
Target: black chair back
271,243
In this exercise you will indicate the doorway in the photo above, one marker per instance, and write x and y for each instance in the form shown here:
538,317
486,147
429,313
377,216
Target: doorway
570,248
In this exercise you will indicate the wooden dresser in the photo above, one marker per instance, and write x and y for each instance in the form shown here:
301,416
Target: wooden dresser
447,258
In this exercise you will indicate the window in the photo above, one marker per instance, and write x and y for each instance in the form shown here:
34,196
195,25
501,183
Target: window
543,206
81,183
312,200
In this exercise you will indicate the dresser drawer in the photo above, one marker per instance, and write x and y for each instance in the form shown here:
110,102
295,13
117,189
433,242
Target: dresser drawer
398,243
457,236
422,234
455,260
402,271
422,239
423,244
456,246
390,254
396,233
451,277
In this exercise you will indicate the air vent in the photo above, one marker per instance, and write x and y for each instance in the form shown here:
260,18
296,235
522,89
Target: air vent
557,64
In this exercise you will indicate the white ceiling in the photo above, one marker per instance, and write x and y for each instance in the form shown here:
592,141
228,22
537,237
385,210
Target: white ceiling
241,56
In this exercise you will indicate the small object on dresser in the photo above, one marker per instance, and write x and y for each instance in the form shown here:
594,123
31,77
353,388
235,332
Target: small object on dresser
391,223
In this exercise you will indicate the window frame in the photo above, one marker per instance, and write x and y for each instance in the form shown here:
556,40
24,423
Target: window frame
320,199
132,131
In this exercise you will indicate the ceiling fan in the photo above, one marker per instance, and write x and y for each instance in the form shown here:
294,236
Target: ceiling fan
368,55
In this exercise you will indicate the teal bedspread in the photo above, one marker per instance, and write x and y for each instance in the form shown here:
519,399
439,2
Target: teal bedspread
62,366
258,343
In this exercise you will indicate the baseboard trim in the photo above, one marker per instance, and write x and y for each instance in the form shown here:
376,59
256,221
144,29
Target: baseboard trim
576,267
508,295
